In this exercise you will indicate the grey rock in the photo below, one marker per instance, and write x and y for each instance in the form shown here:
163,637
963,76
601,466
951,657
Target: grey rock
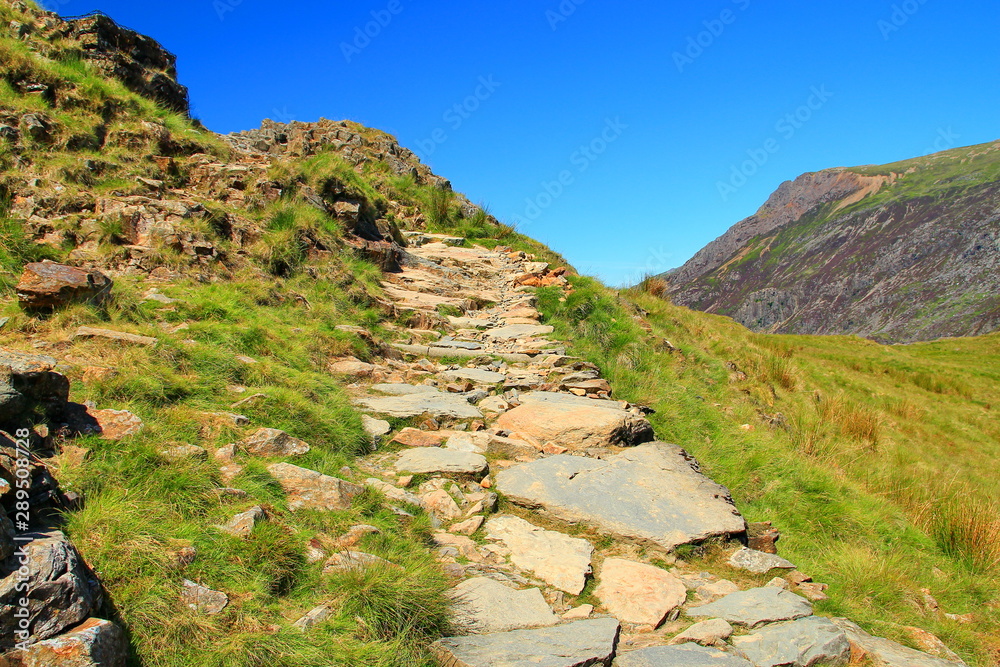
473,375
802,643
558,560
484,606
272,443
93,643
311,490
513,331
759,562
243,524
685,655
580,644
714,632
376,428
436,461
457,345
394,492
885,653
652,495
755,607
418,401
313,618
202,599
61,590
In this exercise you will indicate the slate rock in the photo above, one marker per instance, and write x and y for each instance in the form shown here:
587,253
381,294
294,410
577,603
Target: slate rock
638,593
308,489
885,653
577,425
446,462
759,562
93,643
714,632
802,643
473,375
557,559
685,655
313,618
47,285
117,336
375,427
755,607
60,588
653,495
484,606
514,331
417,401
579,644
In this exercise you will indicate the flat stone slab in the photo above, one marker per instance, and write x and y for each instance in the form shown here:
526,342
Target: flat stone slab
473,375
802,643
685,655
426,400
754,607
403,389
515,331
759,562
557,559
653,495
484,606
887,653
570,399
639,593
580,644
577,425
457,345
436,461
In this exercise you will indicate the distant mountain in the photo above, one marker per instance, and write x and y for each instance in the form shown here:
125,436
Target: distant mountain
898,253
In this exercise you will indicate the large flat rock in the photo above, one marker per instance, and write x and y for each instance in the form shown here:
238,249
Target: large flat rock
639,593
418,401
685,655
435,461
514,331
484,606
653,495
754,607
802,643
557,559
581,644
577,424
885,653
473,375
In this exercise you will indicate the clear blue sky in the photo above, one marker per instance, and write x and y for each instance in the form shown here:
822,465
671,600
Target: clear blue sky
886,80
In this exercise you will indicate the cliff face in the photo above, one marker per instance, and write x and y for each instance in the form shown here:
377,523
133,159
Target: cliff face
900,253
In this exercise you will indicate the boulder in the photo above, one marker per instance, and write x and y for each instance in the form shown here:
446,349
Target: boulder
638,593
885,653
652,495
758,562
446,462
270,442
754,607
308,489
557,559
47,285
484,606
685,655
802,643
93,643
376,428
351,367
61,590
586,643
202,599
577,424
27,382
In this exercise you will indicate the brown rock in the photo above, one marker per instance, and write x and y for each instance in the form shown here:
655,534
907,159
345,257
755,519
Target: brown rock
272,443
763,536
411,437
47,285
116,424
93,643
639,593
311,490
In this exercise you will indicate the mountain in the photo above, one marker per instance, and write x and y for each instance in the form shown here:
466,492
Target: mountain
904,252
284,397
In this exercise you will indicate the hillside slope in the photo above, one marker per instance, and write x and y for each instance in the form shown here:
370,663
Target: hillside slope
282,393
899,253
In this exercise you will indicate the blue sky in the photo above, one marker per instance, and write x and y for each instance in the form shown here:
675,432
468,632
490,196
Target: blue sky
626,135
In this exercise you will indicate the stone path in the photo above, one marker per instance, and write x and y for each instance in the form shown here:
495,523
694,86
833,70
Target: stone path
595,506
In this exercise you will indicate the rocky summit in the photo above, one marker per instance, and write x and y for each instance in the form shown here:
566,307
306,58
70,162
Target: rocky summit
285,397
904,252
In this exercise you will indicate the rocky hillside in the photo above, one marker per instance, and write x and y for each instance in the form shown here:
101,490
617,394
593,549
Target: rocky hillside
899,253
284,398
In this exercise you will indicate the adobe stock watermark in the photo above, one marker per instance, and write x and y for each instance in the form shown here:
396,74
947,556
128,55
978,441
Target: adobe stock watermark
581,160
901,15
946,138
786,127
223,7
365,35
562,13
456,115
704,40
22,524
